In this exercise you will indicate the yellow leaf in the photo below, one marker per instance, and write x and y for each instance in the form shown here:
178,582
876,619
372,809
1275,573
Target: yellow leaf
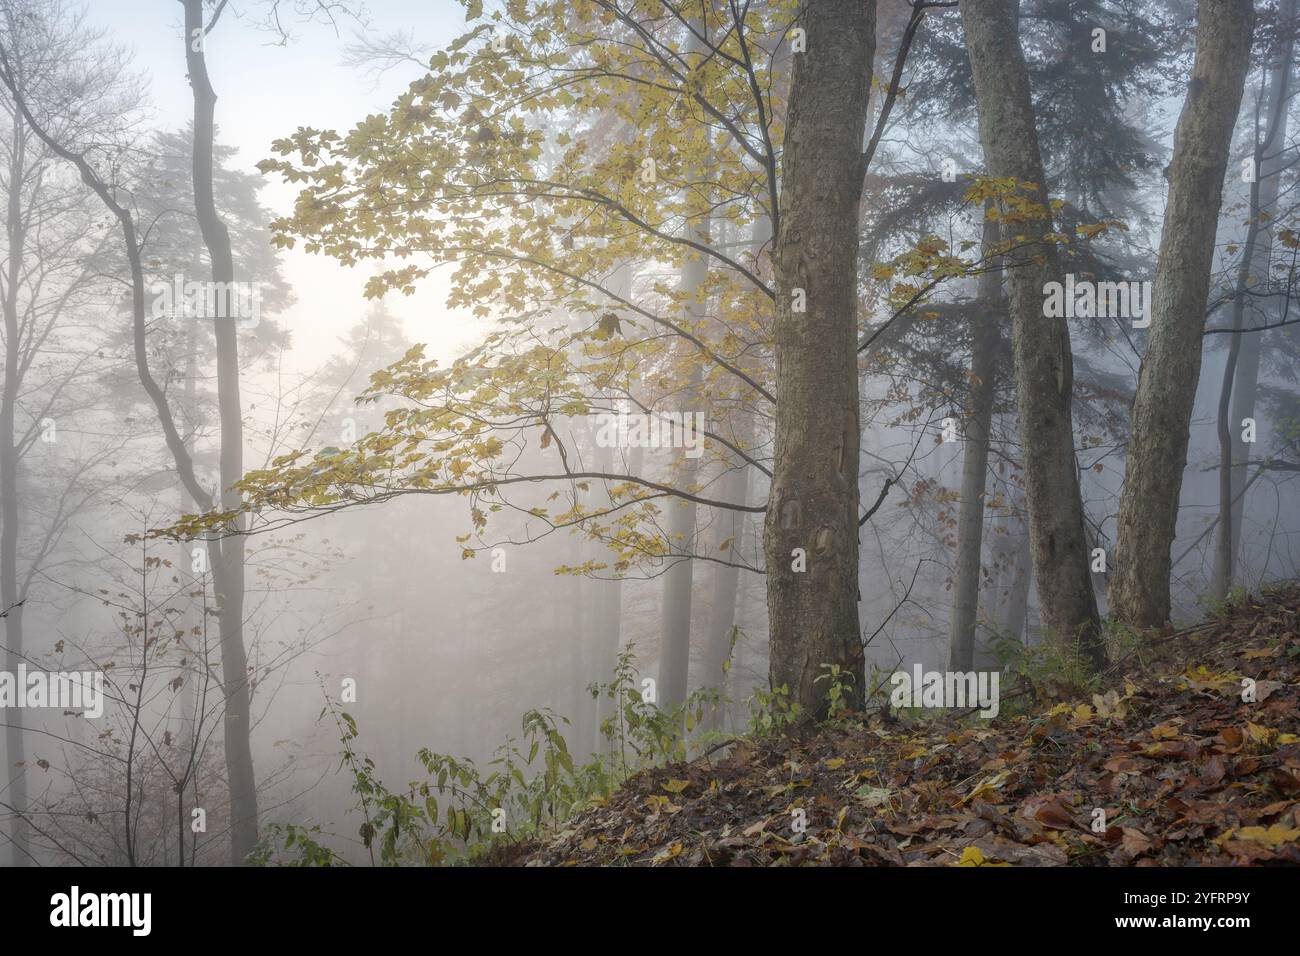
973,857
1260,735
668,853
676,786
835,763
987,786
1272,837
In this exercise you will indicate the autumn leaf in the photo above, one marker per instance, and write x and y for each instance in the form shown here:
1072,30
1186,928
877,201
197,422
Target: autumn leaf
872,796
971,856
668,853
1272,837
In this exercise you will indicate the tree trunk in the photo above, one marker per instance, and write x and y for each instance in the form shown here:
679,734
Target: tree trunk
1020,577
675,633
813,504
975,462
726,578
191,670
1241,372
1162,407
1041,346
10,596
726,583
607,621
228,570
580,709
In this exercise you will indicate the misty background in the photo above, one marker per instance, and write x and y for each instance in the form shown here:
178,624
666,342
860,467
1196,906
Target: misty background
429,630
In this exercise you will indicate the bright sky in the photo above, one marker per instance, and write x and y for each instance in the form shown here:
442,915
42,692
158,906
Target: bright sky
266,91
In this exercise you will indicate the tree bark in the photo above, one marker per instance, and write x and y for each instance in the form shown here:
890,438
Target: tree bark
1020,576
1162,407
813,504
1044,367
975,462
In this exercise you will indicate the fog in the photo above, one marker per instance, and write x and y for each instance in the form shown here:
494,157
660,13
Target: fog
427,557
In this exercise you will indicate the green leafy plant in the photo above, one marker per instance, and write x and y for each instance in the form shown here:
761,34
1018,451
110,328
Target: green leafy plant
839,686
772,712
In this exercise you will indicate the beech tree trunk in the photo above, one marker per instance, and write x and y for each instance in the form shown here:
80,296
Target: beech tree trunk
975,462
1044,367
813,505
1162,407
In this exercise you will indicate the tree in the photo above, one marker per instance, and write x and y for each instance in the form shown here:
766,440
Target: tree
537,222
228,567
1041,346
985,343
1241,372
1162,407
811,526
49,273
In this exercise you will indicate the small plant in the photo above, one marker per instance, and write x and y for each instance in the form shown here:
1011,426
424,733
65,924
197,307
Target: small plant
839,687
530,785
1221,607
636,728
288,844
1052,670
772,712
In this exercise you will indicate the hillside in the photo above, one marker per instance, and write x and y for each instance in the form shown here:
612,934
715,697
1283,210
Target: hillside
1185,771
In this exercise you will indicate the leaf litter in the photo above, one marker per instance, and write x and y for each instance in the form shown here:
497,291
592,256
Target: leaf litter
1167,766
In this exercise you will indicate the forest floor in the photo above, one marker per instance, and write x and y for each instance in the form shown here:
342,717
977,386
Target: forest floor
1183,769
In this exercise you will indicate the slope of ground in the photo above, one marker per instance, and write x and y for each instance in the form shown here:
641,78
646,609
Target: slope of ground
1170,766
